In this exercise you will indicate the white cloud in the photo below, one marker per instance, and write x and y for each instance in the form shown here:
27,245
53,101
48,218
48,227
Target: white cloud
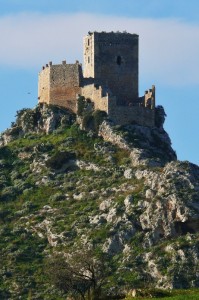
168,48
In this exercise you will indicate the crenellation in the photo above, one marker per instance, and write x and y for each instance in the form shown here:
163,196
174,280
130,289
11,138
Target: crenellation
149,98
109,79
59,84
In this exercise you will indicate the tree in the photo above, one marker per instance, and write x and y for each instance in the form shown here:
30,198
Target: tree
79,274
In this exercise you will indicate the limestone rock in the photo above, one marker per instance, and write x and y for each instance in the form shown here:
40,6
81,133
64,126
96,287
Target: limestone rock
128,173
147,146
139,205
104,205
128,202
172,213
113,245
150,194
42,118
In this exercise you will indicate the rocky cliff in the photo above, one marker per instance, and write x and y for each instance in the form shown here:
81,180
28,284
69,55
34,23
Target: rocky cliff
121,192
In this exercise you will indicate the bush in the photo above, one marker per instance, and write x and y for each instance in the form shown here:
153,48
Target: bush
59,158
4,213
8,193
88,121
57,197
99,116
80,105
92,120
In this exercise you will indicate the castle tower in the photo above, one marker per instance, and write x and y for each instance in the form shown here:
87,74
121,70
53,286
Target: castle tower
112,60
60,84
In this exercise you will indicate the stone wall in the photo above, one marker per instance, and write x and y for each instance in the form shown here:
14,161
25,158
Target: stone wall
149,98
44,86
88,45
99,97
119,114
123,115
60,84
112,59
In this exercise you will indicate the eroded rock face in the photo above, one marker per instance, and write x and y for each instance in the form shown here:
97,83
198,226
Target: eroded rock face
167,210
172,201
141,210
42,118
147,146
107,132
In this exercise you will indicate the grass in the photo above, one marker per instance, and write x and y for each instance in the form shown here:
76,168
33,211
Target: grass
38,185
179,297
191,294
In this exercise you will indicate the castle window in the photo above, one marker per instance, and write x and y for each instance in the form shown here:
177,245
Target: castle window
88,59
119,60
88,42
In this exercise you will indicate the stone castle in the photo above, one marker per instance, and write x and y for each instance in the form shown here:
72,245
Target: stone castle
109,79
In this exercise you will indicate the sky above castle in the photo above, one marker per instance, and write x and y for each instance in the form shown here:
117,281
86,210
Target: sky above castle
34,32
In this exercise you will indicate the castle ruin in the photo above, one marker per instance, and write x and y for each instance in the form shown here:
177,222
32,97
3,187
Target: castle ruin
109,79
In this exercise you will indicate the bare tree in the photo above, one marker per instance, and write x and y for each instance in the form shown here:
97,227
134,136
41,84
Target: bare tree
80,274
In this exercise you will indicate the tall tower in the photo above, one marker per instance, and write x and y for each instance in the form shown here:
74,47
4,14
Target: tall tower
112,60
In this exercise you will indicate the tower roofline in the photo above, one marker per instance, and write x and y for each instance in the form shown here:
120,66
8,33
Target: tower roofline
112,33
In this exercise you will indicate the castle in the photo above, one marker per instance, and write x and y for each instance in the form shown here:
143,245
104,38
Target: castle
109,79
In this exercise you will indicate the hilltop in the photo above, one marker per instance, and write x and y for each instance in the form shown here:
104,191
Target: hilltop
118,192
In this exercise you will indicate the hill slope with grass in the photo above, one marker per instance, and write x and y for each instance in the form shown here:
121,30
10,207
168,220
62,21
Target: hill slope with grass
119,192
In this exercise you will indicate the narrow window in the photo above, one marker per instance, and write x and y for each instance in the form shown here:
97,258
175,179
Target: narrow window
119,60
88,42
88,59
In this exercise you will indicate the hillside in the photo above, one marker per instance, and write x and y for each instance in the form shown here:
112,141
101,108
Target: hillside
119,193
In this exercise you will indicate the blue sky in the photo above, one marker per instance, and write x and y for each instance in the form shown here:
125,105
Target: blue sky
186,9
34,32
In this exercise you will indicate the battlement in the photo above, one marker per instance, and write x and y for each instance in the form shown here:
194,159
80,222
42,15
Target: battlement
59,84
149,98
50,64
117,37
110,79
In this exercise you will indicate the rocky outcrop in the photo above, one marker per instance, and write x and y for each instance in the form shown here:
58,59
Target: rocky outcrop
122,193
42,119
147,146
171,206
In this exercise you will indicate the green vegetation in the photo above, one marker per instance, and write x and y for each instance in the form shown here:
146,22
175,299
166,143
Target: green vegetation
31,179
64,191
91,119
192,294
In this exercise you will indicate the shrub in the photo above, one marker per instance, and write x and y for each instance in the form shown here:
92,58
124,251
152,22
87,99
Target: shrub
80,274
8,193
80,105
92,120
59,158
98,117
57,197
88,121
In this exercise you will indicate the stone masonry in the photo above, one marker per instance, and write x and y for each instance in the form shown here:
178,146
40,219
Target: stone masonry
112,60
109,80
60,84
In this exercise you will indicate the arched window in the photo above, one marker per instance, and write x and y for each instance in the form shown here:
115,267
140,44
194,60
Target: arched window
119,60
